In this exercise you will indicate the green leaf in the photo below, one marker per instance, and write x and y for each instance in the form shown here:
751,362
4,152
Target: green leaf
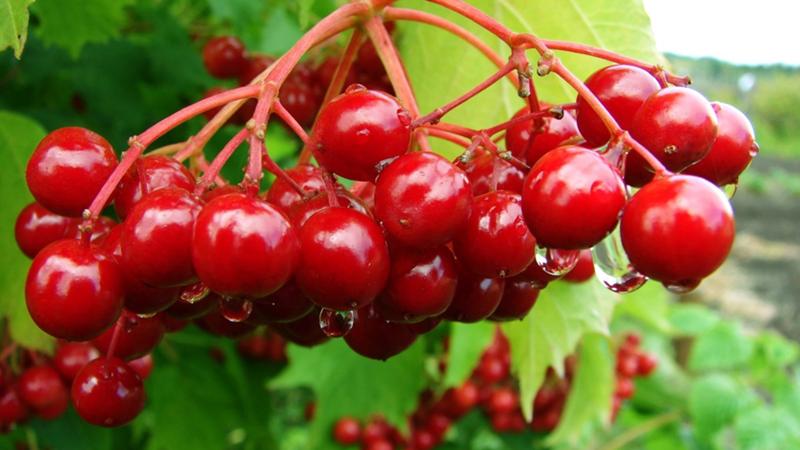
691,319
767,429
714,401
71,24
649,305
14,25
346,383
70,432
722,347
563,314
619,25
589,400
18,137
467,343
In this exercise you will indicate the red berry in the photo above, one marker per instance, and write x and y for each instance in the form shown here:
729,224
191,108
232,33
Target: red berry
255,65
486,173
36,228
304,331
476,297
224,57
344,261
538,277
627,365
375,337
583,270
519,297
423,440
493,370
379,444
287,304
70,357
108,393
73,290
41,386
622,90
375,430
359,130
68,168
548,133
438,424
347,431
299,97
677,125
12,409
646,363
572,198
243,247
185,310
502,401
624,388
308,177
215,323
678,230
495,242
157,238
137,336
302,211
422,199
147,175
732,151
142,365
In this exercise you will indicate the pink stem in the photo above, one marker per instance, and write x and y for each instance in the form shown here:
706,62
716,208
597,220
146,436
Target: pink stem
448,136
112,345
287,117
219,161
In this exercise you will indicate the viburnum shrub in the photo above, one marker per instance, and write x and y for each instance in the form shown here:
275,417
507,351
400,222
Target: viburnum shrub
414,240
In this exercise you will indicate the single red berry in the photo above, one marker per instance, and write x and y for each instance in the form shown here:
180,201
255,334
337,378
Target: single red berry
73,290
302,211
495,242
216,323
157,238
41,386
255,65
243,247
344,262
283,195
376,429
621,89
70,357
224,57
732,151
422,199
438,424
304,331
287,304
462,399
426,325
300,98
502,401
358,131
36,228
12,408
423,440
486,172
108,393
624,388
548,133
379,444
678,230
583,270
137,336
677,125
493,370
147,175
631,342
569,211
519,297
68,168
627,365
142,365
646,364
637,171
476,297
375,337
347,431
56,409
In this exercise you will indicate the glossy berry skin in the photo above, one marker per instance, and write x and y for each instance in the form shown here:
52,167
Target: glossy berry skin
621,89
300,99
422,283
374,337
519,297
678,230
496,241
731,152
12,408
302,211
37,227
548,133
70,357
41,386
572,198
150,174
583,270
243,247
487,172
74,291
142,365
157,238
282,195
422,199
215,323
304,331
347,431
108,393
137,337
224,57
287,304
344,260
359,130
476,297
68,168
538,277
677,125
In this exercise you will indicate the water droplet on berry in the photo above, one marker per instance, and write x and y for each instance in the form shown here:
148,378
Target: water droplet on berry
754,150
730,189
235,309
355,87
336,323
556,261
194,293
612,266
682,287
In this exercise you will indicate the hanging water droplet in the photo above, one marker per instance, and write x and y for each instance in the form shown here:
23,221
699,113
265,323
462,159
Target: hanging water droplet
335,323
235,309
556,261
730,189
682,287
612,266
194,293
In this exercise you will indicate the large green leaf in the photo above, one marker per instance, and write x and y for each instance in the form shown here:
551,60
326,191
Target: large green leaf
714,401
14,24
722,347
18,137
467,343
347,384
648,305
441,67
563,314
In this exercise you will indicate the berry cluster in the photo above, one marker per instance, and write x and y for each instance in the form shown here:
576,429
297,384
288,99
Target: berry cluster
42,385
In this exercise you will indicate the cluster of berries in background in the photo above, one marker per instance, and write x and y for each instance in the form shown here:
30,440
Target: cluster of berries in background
493,391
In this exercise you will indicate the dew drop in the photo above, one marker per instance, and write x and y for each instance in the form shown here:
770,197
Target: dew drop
404,117
682,287
612,266
555,261
235,309
194,293
335,323
730,189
